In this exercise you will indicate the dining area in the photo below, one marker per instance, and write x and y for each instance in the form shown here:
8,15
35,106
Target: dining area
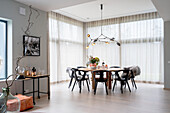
93,74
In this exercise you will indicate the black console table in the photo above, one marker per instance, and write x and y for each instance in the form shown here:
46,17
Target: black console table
33,92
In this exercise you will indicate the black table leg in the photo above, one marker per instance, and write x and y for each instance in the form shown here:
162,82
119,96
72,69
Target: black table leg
38,88
23,87
33,92
48,87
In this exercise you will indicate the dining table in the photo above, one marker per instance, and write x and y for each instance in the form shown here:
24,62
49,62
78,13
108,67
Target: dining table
108,74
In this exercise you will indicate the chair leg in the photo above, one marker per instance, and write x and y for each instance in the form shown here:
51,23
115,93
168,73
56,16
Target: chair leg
106,88
128,85
89,81
95,88
125,86
70,82
73,85
114,85
80,86
134,83
87,85
121,88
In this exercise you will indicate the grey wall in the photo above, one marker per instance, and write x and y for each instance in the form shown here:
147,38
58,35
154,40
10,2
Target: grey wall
9,9
167,54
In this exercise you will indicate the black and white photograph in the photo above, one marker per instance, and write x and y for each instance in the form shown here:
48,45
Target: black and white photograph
31,45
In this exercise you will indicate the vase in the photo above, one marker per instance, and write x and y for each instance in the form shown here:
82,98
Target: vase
93,66
8,102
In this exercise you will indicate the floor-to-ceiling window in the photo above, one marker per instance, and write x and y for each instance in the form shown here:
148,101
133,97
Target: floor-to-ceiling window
141,38
142,45
3,49
66,45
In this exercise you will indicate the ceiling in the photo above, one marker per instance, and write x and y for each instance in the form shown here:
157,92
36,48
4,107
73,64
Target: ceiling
163,7
112,8
89,10
49,5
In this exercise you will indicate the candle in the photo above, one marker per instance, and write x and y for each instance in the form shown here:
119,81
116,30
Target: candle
33,73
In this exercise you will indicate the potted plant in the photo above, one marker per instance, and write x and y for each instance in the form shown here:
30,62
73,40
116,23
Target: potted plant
93,61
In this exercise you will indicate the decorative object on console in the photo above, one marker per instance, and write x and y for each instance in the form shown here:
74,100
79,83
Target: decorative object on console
101,37
33,71
31,45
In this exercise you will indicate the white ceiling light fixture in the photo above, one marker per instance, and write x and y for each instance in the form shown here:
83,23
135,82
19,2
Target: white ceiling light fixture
101,37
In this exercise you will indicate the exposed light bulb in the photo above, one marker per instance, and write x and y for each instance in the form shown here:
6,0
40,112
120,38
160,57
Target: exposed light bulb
87,47
107,42
88,35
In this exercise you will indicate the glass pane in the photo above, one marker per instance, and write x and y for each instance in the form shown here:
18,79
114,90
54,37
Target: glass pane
2,49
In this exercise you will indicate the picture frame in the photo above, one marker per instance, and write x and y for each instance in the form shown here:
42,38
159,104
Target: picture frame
31,45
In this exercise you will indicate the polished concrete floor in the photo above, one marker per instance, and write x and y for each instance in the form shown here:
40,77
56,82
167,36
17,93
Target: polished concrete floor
148,98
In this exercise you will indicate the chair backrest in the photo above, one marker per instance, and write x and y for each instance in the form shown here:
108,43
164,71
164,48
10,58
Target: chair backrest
81,67
126,73
70,72
80,71
77,74
114,66
135,70
101,73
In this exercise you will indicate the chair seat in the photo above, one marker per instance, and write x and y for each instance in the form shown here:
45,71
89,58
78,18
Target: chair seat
101,80
119,79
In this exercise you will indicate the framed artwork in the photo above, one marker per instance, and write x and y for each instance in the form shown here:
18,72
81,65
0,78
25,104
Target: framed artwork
31,45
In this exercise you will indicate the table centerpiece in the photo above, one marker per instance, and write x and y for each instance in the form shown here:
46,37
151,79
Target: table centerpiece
93,62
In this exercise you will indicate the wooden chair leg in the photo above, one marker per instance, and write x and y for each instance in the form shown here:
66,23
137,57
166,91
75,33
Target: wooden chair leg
73,85
106,88
87,85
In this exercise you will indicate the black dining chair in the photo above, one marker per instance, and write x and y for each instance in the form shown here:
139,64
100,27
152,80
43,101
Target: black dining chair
114,66
86,73
113,73
80,78
134,71
123,79
100,79
71,75
132,77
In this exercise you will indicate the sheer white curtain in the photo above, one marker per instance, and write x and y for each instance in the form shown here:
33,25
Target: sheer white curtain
141,38
108,53
66,45
142,45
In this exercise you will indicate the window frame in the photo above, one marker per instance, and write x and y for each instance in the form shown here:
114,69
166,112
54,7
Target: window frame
6,50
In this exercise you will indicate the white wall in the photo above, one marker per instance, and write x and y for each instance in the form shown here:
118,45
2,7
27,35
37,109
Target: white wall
9,9
166,54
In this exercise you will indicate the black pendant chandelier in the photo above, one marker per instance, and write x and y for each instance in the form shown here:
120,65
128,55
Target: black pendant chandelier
101,37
